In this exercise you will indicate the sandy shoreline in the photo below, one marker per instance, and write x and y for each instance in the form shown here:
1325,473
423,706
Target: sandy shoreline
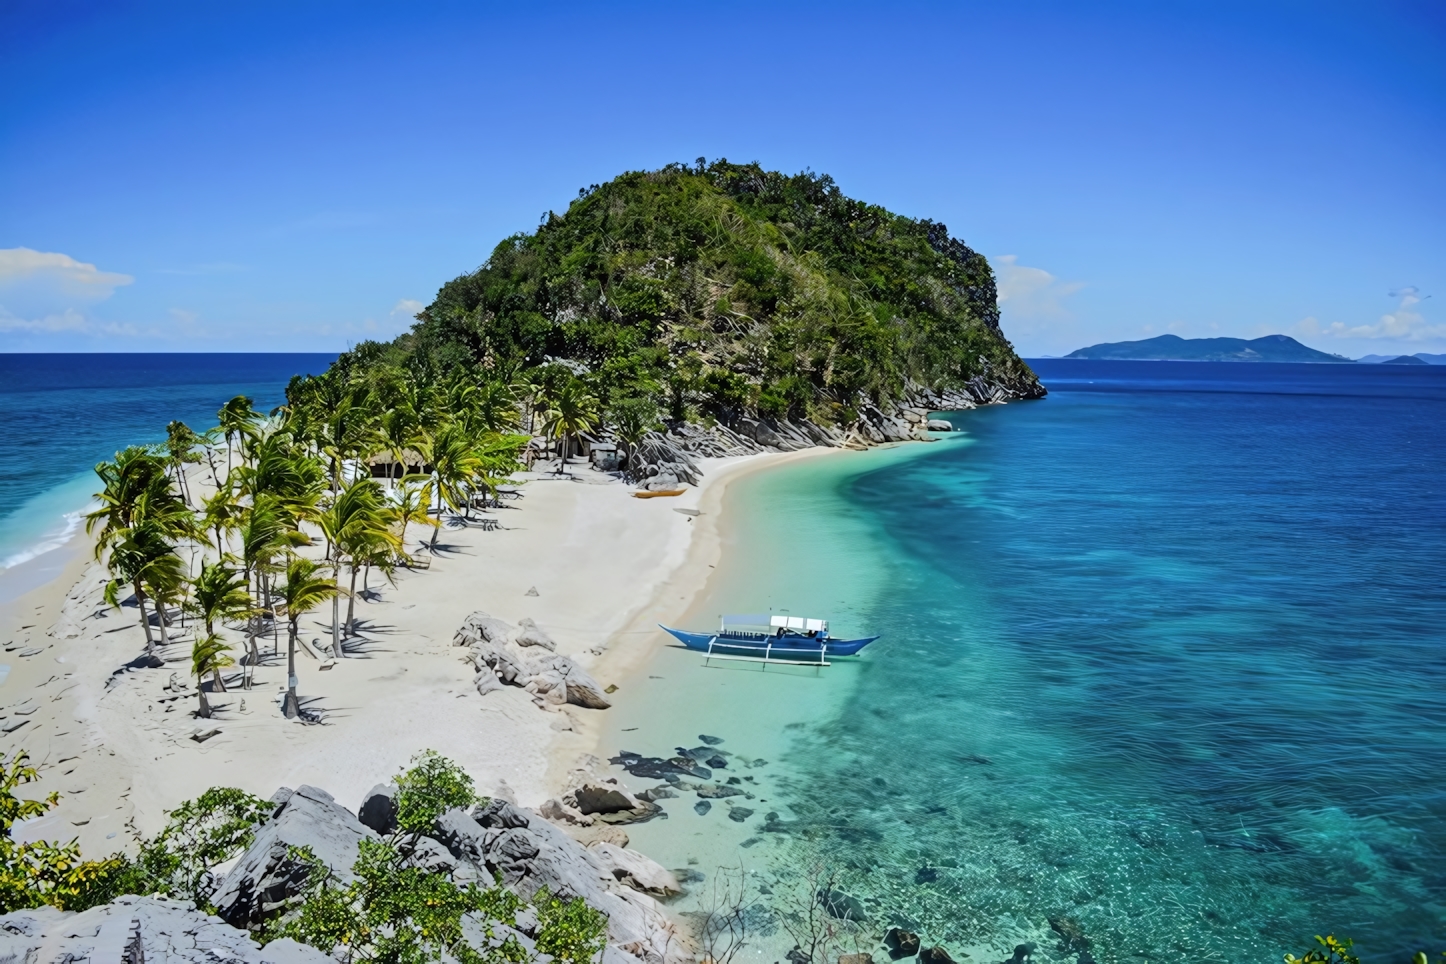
116,742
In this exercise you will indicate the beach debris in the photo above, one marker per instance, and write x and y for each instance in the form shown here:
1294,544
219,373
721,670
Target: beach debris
530,634
610,689
531,592
202,734
702,807
688,512
12,725
710,740
635,870
32,651
379,809
900,943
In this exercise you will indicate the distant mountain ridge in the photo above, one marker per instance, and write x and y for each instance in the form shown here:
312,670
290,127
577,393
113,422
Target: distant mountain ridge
1420,356
1271,348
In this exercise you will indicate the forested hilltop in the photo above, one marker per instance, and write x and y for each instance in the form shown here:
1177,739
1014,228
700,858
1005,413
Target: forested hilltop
722,292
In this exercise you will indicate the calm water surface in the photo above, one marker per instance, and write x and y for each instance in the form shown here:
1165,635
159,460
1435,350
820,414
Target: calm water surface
1164,655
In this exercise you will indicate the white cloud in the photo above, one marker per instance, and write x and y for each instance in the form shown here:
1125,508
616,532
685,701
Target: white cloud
69,320
1406,323
61,270
1031,292
406,310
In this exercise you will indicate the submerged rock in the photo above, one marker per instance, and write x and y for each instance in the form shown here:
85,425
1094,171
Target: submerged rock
710,740
926,875
935,955
702,807
901,943
635,870
739,814
841,905
1071,934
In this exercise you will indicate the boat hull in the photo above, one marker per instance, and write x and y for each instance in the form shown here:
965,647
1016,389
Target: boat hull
757,644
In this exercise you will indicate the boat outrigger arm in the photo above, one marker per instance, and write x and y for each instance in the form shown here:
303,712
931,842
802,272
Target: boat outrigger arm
770,638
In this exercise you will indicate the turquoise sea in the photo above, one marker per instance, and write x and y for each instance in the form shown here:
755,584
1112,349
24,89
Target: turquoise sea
1164,660
63,413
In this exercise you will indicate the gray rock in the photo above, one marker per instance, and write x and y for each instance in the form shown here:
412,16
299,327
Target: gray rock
486,682
379,809
939,425
429,855
530,634
601,798
482,628
267,876
635,870
526,853
579,688
135,929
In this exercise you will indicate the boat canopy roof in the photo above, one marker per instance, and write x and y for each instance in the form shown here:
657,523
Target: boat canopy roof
800,624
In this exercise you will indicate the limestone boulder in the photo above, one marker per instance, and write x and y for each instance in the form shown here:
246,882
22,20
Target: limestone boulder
530,634
635,870
483,628
579,688
134,929
267,876
379,809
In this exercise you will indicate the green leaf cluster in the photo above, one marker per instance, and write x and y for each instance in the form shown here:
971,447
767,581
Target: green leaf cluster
432,786
720,290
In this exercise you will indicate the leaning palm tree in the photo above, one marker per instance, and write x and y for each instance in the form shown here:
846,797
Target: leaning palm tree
412,500
146,562
209,654
238,420
454,463
570,411
304,590
357,526
219,593
181,444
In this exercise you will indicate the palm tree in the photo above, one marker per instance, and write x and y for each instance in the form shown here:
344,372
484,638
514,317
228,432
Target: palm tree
140,518
181,445
146,562
238,420
399,432
305,589
266,535
570,410
454,463
219,593
412,505
633,418
209,654
358,525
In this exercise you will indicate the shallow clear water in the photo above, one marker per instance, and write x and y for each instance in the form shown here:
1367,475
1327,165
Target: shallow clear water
1163,655
64,413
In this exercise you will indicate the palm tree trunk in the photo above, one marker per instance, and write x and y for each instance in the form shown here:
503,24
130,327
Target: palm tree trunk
291,708
351,607
250,675
205,710
217,682
145,620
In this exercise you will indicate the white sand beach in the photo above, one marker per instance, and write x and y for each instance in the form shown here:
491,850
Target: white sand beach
117,744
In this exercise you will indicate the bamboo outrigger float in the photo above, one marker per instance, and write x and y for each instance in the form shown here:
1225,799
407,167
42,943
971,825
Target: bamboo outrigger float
771,638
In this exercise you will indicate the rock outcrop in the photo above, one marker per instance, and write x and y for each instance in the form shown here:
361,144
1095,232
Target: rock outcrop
268,876
526,853
552,679
140,930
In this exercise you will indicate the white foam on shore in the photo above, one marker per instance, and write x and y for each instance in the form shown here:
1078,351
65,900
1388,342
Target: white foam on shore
32,536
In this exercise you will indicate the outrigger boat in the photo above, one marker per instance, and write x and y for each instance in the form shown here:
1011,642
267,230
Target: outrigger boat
771,638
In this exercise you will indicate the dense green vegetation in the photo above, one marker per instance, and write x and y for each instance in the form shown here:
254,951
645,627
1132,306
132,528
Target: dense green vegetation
392,911
721,290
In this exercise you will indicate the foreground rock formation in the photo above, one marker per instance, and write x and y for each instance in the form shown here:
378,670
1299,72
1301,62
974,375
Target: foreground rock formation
496,841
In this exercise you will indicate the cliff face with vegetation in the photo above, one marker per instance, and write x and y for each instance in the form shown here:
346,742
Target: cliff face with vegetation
727,291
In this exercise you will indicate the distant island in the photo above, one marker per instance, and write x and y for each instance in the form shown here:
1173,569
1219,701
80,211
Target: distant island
1420,358
1271,348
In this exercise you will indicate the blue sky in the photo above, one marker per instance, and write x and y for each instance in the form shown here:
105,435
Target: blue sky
299,176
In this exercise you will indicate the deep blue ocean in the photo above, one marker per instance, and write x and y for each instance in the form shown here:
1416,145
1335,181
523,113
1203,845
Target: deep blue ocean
1164,654
63,413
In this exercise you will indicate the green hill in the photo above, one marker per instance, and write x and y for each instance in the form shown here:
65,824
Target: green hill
1271,348
724,291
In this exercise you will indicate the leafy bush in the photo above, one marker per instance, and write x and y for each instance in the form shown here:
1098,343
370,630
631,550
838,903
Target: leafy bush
216,826
571,930
432,786
39,873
